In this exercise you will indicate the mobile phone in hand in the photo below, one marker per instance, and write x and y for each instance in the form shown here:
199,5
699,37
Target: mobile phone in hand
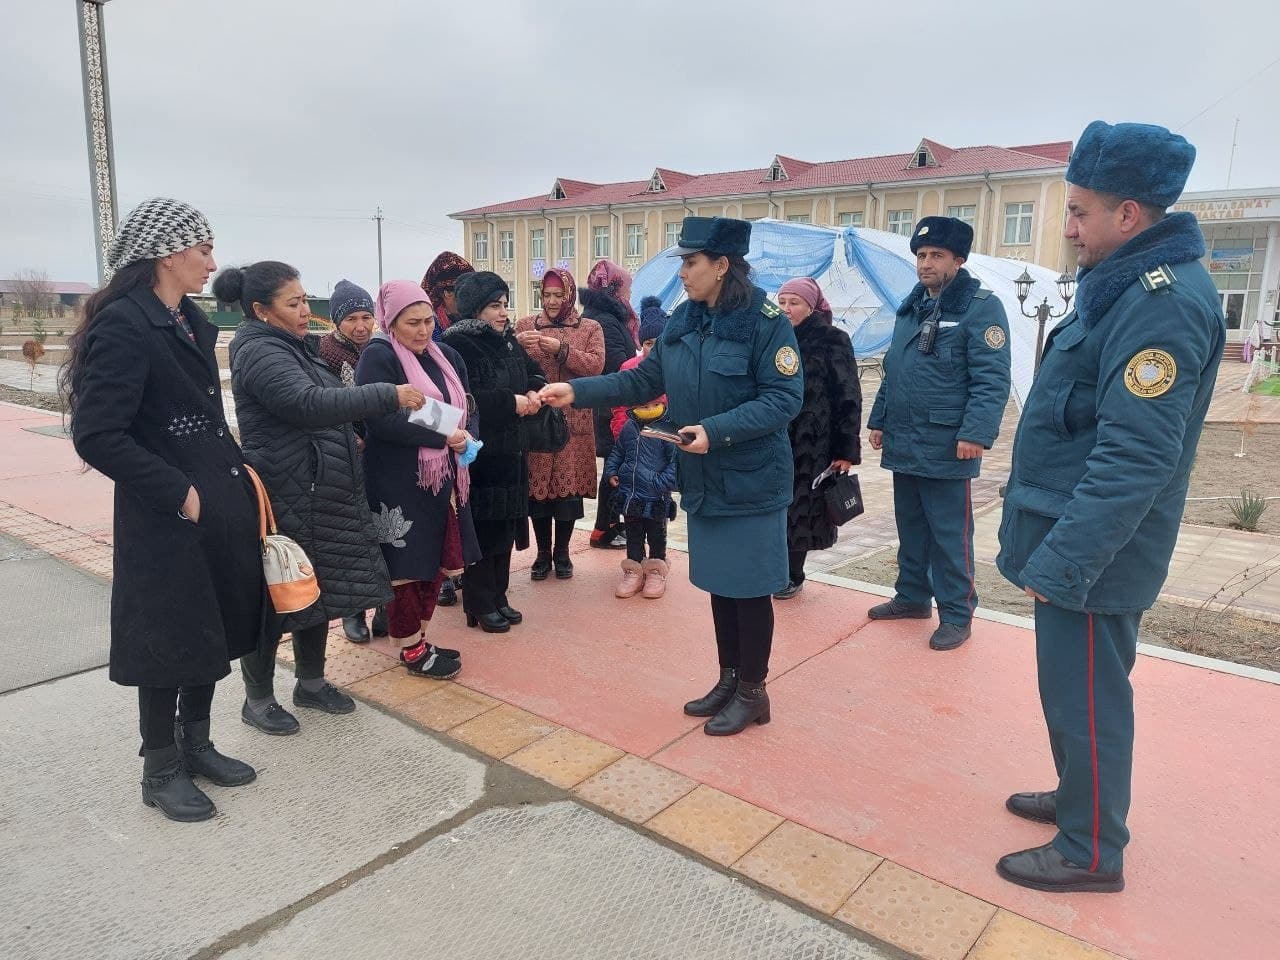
679,437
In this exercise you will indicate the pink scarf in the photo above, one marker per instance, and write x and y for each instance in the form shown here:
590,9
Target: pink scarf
613,279
435,465
807,289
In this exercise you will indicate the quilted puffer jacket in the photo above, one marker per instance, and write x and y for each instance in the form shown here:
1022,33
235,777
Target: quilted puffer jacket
295,429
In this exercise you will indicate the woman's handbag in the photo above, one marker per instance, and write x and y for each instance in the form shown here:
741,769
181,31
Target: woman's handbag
843,496
547,430
291,580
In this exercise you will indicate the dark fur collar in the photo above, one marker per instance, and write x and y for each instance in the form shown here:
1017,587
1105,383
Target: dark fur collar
955,299
475,328
815,333
601,301
1175,239
736,326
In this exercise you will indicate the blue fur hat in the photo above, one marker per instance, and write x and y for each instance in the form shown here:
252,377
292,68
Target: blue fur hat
652,319
717,236
945,232
1133,161
347,298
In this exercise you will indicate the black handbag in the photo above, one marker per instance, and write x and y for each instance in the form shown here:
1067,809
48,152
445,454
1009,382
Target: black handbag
547,430
843,496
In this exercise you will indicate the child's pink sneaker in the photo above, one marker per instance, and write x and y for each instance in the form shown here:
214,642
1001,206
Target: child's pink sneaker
655,579
632,580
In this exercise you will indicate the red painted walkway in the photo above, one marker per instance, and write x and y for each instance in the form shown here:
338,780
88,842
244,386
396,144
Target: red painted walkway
875,739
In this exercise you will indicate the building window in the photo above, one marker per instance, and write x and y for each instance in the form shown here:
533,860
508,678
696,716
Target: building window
966,212
901,222
655,183
507,245
850,219
568,249
600,243
482,246
776,172
799,218
635,240
538,244
511,301
557,191
671,234
1017,223
535,298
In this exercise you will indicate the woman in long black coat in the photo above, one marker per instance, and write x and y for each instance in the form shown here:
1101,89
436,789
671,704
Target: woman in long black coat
504,381
187,595
419,489
826,431
295,421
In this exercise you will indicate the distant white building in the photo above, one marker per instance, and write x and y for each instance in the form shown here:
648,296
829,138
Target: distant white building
1242,241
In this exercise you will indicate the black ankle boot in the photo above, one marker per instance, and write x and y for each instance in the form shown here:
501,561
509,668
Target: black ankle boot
201,758
355,629
448,593
750,704
541,566
716,697
165,784
563,565
380,622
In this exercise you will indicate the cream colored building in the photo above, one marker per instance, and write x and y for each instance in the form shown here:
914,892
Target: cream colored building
1013,197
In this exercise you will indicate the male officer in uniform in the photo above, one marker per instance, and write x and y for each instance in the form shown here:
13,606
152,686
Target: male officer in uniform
1101,462
946,382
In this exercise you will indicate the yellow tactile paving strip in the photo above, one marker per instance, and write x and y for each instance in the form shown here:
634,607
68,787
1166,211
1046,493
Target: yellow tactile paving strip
851,885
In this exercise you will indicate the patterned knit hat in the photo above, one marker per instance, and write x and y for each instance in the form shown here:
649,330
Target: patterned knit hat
652,319
155,229
347,298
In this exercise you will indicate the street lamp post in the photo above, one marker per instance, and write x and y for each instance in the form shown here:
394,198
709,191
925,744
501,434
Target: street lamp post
97,121
1066,290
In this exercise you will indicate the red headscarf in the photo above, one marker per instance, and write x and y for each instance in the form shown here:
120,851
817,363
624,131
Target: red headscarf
569,307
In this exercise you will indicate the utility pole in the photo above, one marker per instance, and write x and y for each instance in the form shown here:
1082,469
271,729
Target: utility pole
1235,137
378,218
97,122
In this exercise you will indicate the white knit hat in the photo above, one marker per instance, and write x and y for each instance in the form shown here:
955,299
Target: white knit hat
156,228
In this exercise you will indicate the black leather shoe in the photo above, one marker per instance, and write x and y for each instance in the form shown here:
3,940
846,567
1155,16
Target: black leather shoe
448,593
328,698
1041,807
510,614
541,566
1044,868
789,591
275,719
489,622
564,567
169,787
201,758
893,610
948,636
380,623
716,697
749,704
355,629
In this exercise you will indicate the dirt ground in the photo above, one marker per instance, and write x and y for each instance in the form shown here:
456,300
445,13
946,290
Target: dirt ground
44,401
1225,636
1218,472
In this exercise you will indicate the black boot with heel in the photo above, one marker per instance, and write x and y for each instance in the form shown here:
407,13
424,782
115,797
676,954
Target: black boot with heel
749,704
717,697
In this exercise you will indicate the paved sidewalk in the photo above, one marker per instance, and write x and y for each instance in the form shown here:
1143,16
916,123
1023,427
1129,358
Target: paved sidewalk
874,798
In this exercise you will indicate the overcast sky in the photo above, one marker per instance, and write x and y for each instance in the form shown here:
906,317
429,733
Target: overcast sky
289,121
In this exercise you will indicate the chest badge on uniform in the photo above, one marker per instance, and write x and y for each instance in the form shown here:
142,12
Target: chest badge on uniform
995,337
787,362
1150,373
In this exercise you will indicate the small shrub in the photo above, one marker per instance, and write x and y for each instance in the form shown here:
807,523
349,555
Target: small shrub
60,332
38,332
1247,511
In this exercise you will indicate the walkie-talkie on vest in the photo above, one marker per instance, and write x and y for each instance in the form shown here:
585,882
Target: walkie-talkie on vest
929,325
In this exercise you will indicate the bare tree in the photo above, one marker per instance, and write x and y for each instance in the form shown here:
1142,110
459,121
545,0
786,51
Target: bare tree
34,290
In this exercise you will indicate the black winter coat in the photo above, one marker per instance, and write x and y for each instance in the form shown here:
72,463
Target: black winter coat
498,369
295,426
186,598
619,347
825,429
409,520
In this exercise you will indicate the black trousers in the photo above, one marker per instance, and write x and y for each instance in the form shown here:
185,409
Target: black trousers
259,668
542,535
487,581
654,529
158,706
744,634
795,560
606,515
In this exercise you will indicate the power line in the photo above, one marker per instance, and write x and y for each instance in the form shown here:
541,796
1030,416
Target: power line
1244,83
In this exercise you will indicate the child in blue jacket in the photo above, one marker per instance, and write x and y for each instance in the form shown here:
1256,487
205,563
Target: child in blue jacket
642,471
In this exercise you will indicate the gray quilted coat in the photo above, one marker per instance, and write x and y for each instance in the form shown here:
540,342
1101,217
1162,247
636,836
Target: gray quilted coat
295,429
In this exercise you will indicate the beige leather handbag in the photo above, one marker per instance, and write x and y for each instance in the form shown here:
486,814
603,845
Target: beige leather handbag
291,580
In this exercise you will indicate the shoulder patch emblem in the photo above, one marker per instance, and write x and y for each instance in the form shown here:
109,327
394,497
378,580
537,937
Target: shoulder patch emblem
1150,373
981,293
1159,278
995,337
771,310
787,361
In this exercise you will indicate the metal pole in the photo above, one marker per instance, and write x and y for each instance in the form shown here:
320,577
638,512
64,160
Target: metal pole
1042,314
378,217
97,120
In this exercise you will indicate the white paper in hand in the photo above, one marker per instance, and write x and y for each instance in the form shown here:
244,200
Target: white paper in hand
438,416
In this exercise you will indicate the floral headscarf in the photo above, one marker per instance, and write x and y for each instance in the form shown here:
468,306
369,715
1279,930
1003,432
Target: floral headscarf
612,279
569,308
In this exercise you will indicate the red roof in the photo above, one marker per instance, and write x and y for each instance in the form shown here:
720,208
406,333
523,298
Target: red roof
880,171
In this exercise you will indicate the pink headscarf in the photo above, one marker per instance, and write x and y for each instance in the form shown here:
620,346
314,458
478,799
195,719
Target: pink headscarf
434,463
807,289
613,279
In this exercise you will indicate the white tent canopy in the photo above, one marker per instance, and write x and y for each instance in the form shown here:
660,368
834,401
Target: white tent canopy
865,274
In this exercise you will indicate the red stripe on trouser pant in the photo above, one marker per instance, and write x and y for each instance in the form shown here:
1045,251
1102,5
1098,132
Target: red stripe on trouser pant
968,536
1093,754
